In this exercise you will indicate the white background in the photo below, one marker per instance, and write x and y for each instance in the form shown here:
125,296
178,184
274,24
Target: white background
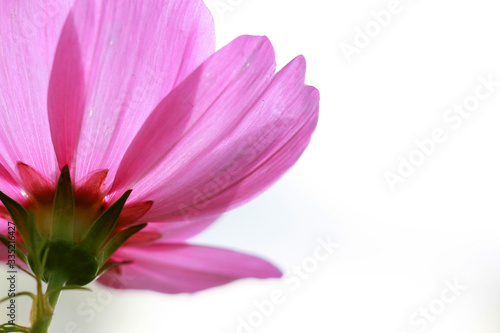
397,248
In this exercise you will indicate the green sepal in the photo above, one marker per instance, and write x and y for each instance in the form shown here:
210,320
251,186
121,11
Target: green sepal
117,241
36,240
22,247
18,214
63,209
25,223
13,328
103,226
20,254
23,293
110,265
70,262
35,246
26,271
69,287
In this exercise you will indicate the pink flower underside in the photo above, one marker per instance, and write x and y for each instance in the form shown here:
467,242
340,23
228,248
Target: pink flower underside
176,268
131,54
134,53
195,142
222,136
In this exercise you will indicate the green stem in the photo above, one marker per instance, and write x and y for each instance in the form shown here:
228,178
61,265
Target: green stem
44,304
56,282
41,314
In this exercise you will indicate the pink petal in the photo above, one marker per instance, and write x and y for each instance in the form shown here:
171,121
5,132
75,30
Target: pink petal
66,94
143,237
4,216
238,147
28,37
179,268
181,230
9,185
3,250
132,54
35,184
133,212
203,99
91,187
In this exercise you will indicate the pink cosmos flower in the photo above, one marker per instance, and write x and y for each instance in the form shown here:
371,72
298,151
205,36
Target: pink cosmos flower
132,95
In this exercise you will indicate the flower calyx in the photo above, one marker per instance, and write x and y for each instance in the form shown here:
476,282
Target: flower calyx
56,246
